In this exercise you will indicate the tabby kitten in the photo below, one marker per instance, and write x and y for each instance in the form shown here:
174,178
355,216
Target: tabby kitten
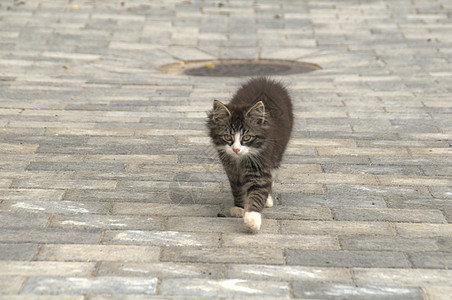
250,134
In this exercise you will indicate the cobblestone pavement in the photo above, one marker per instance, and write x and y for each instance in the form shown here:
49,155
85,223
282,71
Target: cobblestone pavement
109,189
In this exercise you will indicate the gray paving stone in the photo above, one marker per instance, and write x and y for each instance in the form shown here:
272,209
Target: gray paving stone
106,222
161,270
442,192
125,176
101,167
413,180
367,190
222,255
332,200
395,243
355,258
38,236
10,285
163,186
148,141
269,240
414,230
44,183
20,220
433,260
5,183
85,149
417,203
391,215
223,288
437,170
339,291
402,277
298,213
162,238
116,196
157,209
80,285
338,227
98,253
289,273
409,161
48,268
374,169
17,251
180,195
448,214
68,207
353,135
202,177
438,292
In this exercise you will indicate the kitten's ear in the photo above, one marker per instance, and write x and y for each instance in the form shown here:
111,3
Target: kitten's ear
220,111
257,113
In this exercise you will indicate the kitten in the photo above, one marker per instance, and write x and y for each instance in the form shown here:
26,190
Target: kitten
250,134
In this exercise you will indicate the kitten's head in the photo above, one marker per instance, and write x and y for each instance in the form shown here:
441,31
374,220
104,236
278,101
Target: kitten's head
237,131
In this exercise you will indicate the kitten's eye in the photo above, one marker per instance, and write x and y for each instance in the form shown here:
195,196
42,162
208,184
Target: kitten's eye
227,137
246,138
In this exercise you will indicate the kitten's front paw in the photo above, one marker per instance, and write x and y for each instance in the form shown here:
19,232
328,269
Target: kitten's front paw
237,212
253,220
269,202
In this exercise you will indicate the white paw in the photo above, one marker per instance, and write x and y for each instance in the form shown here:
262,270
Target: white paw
253,220
269,202
237,212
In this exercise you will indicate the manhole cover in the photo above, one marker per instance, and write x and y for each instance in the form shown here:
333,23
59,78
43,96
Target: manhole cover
238,67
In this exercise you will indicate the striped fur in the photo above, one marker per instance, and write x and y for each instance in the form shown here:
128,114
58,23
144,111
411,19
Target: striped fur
250,134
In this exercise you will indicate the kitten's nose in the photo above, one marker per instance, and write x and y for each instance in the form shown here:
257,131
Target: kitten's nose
236,150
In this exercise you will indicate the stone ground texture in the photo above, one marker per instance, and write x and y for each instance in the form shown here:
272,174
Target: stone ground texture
109,189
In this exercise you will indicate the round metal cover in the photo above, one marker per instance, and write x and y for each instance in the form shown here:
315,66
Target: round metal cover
236,67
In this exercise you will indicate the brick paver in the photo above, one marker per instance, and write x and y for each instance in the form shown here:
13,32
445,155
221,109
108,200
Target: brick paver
108,185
